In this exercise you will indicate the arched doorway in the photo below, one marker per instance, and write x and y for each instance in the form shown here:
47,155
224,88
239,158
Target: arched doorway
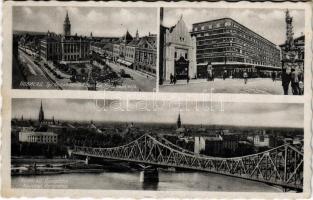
181,68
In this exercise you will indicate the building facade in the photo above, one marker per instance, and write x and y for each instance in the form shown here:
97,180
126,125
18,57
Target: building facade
229,46
38,137
146,55
178,52
137,53
65,48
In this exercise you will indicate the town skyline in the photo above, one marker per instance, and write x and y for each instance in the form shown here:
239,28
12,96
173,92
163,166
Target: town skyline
272,19
109,22
234,114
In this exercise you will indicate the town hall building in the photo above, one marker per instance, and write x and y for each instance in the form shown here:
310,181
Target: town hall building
65,48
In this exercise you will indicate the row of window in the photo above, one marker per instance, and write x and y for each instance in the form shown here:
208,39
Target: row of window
214,58
42,139
147,58
211,25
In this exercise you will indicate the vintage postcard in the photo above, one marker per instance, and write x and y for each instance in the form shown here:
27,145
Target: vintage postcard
157,100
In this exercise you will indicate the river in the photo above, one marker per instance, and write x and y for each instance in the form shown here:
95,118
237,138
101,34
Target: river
168,181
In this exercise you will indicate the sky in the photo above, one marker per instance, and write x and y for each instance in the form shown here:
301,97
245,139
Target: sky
269,23
211,113
110,22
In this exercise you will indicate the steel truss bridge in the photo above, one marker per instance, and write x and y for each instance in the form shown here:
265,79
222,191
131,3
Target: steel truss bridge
281,166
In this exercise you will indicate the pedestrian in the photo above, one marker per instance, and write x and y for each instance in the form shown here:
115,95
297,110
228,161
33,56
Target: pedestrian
174,79
245,77
188,78
301,84
171,78
208,75
295,82
274,76
224,74
285,78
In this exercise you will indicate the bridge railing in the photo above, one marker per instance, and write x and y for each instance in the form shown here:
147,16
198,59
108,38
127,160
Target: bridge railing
282,165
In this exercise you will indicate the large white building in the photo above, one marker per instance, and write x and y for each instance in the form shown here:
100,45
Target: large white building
38,137
178,53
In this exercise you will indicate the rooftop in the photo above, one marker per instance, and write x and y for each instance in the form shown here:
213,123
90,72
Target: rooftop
227,18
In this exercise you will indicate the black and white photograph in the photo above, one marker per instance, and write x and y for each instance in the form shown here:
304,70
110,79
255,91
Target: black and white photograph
84,48
139,99
156,146
226,50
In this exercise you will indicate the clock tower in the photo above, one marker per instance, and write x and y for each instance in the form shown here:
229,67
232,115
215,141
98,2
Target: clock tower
67,26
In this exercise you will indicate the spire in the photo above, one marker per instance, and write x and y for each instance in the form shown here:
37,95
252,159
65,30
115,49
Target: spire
178,121
67,19
41,116
67,25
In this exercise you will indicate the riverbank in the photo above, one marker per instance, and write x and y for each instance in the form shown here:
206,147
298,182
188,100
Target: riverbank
39,166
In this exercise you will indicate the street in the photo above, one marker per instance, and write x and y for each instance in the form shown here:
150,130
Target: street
140,81
253,86
36,77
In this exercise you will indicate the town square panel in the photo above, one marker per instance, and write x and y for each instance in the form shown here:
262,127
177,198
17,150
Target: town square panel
84,48
254,51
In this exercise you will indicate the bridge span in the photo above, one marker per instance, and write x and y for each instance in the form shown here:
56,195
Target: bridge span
281,166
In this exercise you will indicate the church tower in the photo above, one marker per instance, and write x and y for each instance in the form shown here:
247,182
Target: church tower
178,123
41,116
67,26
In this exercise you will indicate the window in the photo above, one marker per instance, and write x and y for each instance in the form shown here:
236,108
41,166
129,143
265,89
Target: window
175,54
196,29
186,55
210,26
202,27
227,24
218,25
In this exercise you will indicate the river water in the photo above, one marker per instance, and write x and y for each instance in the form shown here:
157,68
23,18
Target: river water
168,181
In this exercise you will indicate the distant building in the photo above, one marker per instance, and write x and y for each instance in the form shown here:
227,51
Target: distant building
228,45
199,145
177,52
38,137
260,140
65,48
41,117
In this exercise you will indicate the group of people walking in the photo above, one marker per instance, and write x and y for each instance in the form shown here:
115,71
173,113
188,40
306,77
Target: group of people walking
293,78
173,79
